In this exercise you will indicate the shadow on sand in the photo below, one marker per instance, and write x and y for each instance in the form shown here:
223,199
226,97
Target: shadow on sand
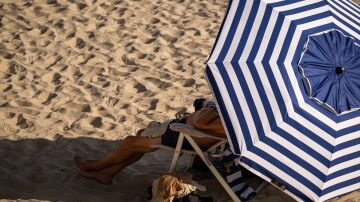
43,170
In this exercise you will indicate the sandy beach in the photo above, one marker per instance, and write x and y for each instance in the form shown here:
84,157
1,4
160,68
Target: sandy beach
78,76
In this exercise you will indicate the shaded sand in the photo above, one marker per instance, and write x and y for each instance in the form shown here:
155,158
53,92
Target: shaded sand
77,76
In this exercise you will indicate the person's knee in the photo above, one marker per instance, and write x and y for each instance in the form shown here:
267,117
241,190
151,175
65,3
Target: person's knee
140,144
130,140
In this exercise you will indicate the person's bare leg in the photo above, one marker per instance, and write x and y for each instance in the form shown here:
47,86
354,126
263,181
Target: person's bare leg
105,175
132,146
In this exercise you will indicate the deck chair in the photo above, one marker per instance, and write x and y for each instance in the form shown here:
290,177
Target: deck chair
189,132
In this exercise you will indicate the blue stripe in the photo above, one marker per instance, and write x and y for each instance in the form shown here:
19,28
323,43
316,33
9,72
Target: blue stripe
242,189
347,144
310,133
272,176
223,110
347,25
285,168
304,8
345,171
297,159
260,34
250,102
236,182
222,26
303,144
345,13
347,8
249,23
283,3
349,130
345,158
237,107
357,7
232,31
341,185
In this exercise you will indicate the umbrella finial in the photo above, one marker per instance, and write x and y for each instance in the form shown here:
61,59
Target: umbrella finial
339,70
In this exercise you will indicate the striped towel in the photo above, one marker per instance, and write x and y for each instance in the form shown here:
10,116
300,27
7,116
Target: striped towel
234,177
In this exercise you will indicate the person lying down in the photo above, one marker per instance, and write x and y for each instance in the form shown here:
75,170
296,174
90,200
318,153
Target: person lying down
134,147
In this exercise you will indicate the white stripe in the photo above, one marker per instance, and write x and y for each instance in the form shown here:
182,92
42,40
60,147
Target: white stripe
344,165
348,137
224,32
289,179
296,5
239,31
230,110
308,141
242,101
295,85
341,178
299,152
353,5
352,10
253,33
348,15
278,47
246,193
266,178
346,151
341,191
293,165
269,96
233,176
353,34
266,39
238,187
308,13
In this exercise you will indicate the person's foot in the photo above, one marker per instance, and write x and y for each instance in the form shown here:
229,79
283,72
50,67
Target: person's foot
96,175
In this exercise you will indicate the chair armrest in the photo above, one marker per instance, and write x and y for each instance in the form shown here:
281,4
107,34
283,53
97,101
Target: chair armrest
192,131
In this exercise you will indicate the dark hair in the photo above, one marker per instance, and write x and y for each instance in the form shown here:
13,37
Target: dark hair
198,103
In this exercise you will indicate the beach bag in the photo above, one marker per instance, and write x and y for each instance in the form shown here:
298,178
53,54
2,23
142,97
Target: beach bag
206,119
173,187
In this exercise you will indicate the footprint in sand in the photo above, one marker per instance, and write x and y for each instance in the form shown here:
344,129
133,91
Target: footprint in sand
153,104
96,122
80,43
50,97
158,82
21,122
189,82
86,108
56,79
140,88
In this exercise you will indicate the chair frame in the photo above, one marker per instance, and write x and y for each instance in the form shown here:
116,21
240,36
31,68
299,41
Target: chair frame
189,132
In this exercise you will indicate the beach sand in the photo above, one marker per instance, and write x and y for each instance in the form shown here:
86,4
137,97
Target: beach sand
77,76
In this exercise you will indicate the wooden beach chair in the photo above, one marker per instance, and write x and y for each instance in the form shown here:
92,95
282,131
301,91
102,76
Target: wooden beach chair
189,132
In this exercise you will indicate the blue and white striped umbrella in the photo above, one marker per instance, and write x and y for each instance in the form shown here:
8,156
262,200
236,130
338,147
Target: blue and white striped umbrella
286,78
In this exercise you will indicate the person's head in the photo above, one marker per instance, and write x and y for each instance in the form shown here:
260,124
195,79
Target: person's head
198,103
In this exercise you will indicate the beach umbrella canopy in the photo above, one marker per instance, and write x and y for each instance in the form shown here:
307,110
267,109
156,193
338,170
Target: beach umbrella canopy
286,79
